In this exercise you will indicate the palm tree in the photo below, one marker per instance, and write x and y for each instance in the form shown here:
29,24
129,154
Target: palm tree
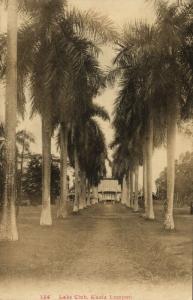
95,193
156,79
121,166
56,71
149,154
128,201
77,179
145,182
88,146
131,189
85,85
62,208
52,30
82,189
95,155
175,75
134,104
136,206
72,59
175,44
95,164
124,193
41,38
8,228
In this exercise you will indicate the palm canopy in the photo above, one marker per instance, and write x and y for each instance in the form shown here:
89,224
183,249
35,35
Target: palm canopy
92,151
78,133
93,160
52,47
174,71
148,58
186,59
24,138
137,65
84,86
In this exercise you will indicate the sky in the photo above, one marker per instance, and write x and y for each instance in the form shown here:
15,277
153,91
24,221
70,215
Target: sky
120,12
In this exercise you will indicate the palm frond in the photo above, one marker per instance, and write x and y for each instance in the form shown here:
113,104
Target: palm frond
92,25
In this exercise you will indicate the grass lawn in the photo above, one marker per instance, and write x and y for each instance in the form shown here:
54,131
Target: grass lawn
104,243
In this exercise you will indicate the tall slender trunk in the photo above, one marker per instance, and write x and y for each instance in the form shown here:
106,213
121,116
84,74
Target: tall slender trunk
128,200
131,188
62,208
171,142
77,186
82,202
46,218
84,189
95,193
149,154
20,180
88,194
8,228
124,191
145,180
136,206
1,18
92,195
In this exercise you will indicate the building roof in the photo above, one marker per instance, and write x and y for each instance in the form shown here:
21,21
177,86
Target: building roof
109,185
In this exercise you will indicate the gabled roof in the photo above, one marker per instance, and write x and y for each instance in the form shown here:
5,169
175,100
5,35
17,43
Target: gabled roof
109,185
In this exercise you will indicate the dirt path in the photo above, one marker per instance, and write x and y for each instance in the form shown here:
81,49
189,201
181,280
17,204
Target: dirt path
104,255
120,246
106,248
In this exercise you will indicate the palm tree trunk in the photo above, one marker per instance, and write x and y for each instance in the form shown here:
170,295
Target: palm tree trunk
1,18
124,191
145,181
149,154
128,201
46,218
92,193
171,142
8,228
88,194
131,188
81,204
82,201
20,180
77,186
136,206
84,189
95,194
62,209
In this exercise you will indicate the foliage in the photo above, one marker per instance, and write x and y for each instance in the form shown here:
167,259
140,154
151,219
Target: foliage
91,147
1,184
154,64
183,180
24,139
32,181
133,64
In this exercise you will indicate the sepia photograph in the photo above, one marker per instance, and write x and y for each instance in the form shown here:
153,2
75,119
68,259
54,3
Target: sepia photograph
96,149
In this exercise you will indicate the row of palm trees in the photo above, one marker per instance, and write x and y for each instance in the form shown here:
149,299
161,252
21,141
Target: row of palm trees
54,55
154,67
